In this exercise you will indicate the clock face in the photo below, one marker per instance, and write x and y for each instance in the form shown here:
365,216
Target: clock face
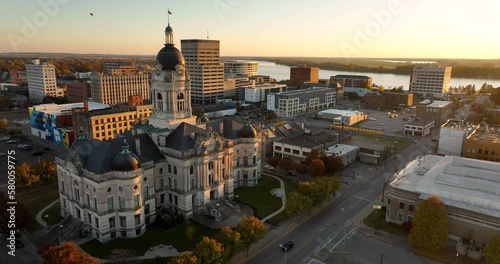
180,72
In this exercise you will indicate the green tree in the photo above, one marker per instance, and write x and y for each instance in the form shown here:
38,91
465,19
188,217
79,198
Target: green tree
492,251
317,168
313,191
328,185
185,258
190,230
209,251
430,224
251,230
26,176
47,170
231,241
297,203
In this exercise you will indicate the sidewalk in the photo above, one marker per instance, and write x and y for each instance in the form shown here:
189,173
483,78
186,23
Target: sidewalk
274,234
279,193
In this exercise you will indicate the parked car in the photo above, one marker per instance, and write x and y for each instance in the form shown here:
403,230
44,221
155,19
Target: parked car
287,246
372,119
380,124
269,167
406,119
4,138
12,141
291,173
27,147
37,152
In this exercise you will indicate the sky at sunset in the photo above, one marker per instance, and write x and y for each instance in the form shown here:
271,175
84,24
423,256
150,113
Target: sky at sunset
314,28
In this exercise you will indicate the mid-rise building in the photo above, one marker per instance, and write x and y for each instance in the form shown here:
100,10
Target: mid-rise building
297,102
234,69
439,111
117,88
299,147
467,187
257,93
352,81
483,143
105,124
431,81
77,91
301,74
452,136
53,122
118,67
41,80
206,71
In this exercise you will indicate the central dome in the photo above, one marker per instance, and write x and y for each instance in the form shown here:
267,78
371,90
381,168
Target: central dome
169,56
126,160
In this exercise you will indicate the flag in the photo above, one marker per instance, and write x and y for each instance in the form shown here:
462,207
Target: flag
169,12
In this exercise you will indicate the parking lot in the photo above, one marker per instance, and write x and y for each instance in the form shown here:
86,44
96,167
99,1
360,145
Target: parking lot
381,120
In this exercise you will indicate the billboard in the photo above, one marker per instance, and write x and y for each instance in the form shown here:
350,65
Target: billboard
47,123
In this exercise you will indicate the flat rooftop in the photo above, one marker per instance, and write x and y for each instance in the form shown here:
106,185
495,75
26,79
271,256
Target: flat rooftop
345,76
436,103
264,86
309,141
339,112
341,149
422,122
469,184
308,90
487,133
458,125
55,109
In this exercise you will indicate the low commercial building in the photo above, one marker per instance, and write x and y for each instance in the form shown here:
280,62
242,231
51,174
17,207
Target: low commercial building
483,143
297,102
339,117
439,111
371,153
349,154
469,189
53,122
420,128
492,116
299,147
452,136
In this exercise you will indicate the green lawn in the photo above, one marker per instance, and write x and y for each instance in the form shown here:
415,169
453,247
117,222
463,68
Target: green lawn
383,140
259,197
54,213
290,186
36,201
376,219
154,236
157,260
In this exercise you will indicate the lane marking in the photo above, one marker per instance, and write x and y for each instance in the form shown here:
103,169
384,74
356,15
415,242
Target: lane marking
348,234
362,198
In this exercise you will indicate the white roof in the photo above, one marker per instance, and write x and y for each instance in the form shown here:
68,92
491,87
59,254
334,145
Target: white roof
464,183
435,103
339,112
341,149
55,109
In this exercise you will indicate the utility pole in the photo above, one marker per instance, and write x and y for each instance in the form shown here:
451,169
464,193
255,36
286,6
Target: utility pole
381,258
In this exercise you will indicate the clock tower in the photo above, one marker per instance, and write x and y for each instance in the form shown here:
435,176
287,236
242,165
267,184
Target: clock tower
170,87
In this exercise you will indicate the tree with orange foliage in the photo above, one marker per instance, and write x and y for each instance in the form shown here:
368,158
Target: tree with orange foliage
67,253
209,251
317,168
430,224
185,258
251,230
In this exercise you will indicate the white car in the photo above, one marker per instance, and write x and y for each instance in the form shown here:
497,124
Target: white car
269,167
372,119
380,124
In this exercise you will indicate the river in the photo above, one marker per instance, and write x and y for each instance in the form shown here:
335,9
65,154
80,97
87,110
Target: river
282,72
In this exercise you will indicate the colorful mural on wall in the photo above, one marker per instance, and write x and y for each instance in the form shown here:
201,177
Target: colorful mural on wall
47,123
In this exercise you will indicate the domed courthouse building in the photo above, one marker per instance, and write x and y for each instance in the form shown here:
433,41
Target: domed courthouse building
175,162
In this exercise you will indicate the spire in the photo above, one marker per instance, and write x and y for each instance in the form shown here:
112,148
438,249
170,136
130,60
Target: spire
125,148
169,32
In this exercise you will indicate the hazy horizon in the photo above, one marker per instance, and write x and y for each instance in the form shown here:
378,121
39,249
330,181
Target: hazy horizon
391,29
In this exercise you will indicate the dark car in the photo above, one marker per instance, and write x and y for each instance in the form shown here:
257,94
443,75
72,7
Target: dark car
26,147
37,152
287,246
291,173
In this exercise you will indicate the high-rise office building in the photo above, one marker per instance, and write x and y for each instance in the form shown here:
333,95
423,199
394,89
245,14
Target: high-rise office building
234,68
116,88
300,75
41,80
431,81
206,71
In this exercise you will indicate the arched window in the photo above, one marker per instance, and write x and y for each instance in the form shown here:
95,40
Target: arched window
169,168
191,170
211,165
159,100
180,102
161,170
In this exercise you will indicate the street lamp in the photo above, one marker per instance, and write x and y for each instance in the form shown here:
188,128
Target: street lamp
61,229
47,219
285,249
